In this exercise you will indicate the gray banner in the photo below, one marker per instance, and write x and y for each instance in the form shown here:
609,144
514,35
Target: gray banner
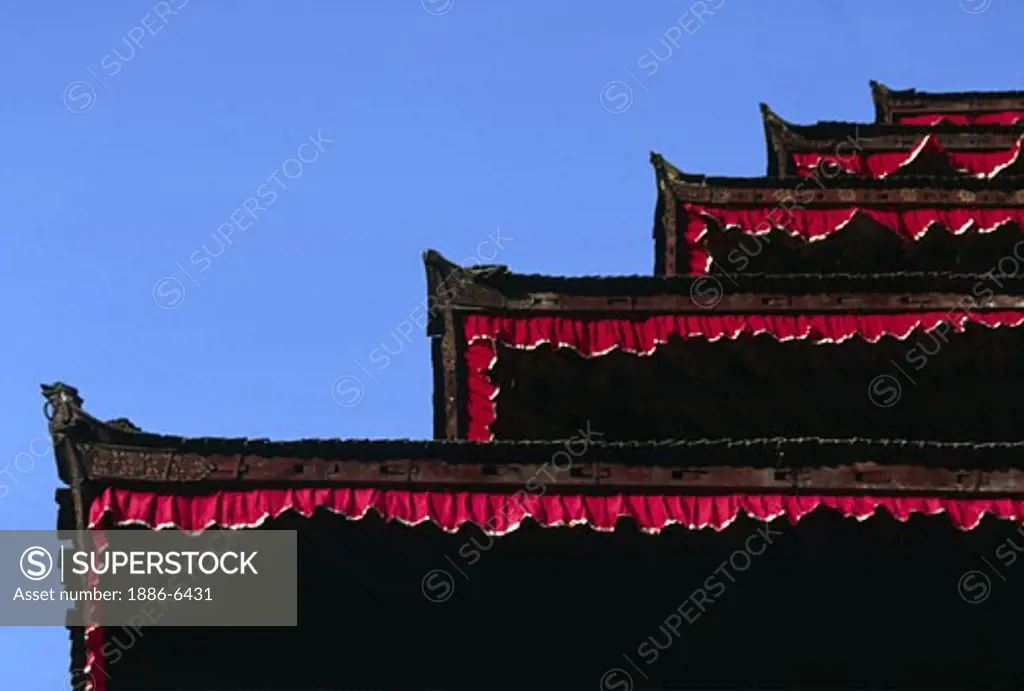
147,577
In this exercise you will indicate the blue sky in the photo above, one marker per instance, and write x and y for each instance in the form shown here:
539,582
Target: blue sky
134,130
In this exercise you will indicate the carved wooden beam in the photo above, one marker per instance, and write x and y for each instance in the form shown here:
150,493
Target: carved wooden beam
718,287
106,461
849,191
975,104
721,292
562,470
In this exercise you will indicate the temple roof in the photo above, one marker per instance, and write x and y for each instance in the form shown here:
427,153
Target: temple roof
694,211
119,452
498,288
894,105
977,135
520,353
784,139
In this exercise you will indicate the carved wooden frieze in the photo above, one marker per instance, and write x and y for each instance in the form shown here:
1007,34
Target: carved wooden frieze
154,465
559,470
189,468
922,104
760,303
876,196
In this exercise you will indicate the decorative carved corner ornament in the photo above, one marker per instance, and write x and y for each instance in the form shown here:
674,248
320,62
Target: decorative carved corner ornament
62,408
122,463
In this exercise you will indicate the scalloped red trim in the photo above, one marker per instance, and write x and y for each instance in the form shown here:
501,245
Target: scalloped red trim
502,512
978,164
815,224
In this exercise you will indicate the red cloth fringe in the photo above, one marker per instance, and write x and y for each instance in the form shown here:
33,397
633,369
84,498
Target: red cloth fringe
501,512
980,164
816,223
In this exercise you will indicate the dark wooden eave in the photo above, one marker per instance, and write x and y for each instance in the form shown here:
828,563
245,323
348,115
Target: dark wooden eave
889,103
952,191
888,137
783,138
499,290
115,453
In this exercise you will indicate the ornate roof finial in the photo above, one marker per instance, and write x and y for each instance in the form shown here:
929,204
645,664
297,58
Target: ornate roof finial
63,404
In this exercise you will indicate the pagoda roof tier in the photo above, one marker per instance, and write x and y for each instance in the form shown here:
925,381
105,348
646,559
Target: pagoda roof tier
194,483
495,287
913,107
363,495
694,210
521,356
874,151
175,460
178,461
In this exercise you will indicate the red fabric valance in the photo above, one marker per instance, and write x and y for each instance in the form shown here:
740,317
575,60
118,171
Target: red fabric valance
980,164
1009,117
642,335
501,512
815,223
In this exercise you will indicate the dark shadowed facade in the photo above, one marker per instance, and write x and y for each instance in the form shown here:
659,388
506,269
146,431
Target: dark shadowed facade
789,457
